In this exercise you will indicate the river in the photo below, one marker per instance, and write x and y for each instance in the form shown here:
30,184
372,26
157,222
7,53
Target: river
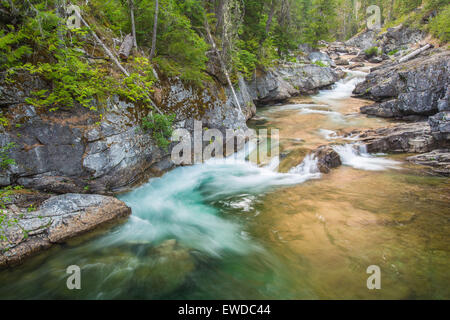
229,229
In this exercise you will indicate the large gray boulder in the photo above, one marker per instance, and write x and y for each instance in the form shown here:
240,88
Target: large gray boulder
321,57
437,160
287,80
417,87
364,40
399,38
440,126
58,219
405,138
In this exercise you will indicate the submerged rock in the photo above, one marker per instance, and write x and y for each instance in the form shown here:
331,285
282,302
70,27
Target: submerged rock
438,160
57,220
166,269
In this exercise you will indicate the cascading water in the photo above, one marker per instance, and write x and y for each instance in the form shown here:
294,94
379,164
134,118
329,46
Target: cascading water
343,88
178,204
357,157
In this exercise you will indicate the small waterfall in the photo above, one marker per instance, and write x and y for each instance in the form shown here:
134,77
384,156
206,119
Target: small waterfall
308,166
343,88
356,156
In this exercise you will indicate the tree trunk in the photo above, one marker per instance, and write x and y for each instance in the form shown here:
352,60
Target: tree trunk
133,26
414,53
155,26
213,44
125,48
220,15
270,18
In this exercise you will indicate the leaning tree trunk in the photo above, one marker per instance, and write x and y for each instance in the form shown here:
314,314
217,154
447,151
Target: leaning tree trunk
155,26
222,63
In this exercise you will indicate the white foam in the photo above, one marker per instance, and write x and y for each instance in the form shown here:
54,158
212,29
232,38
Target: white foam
332,135
178,205
343,88
358,158
309,166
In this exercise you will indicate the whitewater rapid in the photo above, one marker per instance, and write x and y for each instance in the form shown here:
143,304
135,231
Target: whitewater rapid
179,204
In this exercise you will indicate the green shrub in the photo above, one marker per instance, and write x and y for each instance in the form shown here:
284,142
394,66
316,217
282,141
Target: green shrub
372,52
320,64
161,128
393,52
440,25
5,160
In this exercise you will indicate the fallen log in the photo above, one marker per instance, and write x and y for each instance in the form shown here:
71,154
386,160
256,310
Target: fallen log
125,48
414,53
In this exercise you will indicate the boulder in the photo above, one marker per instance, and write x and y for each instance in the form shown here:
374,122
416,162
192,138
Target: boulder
58,219
327,158
363,40
405,138
417,87
287,80
440,126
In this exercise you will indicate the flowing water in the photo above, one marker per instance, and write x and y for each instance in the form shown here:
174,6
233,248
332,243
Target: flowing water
229,229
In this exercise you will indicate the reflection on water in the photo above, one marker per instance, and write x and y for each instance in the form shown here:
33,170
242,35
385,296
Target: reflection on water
231,230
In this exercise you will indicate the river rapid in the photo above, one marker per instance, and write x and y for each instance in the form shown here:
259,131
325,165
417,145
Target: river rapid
229,229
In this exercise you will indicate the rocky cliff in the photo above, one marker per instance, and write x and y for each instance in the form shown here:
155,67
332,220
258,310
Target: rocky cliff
71,150
417,87
288,80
